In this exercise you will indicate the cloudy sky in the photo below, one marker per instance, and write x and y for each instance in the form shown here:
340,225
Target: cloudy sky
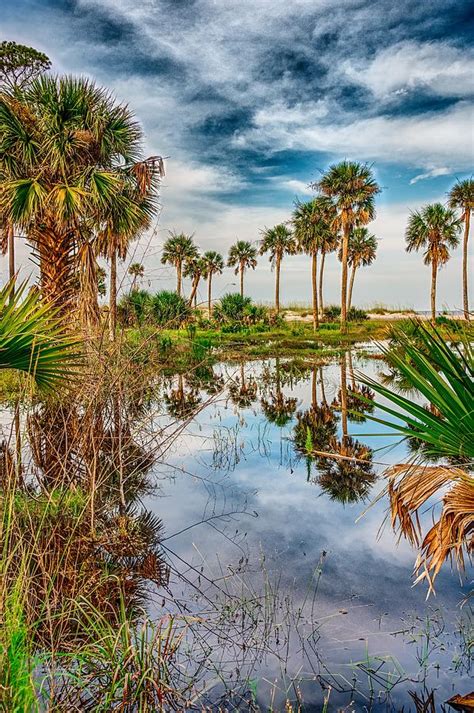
252,99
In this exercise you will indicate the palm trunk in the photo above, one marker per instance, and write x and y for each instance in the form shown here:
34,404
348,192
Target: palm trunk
345,249
465,292
209,295
113,296
323,392
314,389
314,280
11,258
344,399
277,284
321,276
241,280
351,287
193,294
178,279
434,270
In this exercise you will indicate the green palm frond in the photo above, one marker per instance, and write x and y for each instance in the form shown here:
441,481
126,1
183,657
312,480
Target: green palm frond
444,375
33,338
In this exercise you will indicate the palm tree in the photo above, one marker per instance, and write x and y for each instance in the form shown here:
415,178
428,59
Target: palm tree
310,229
73,154
461,197
329,243
178,249
194,268
213,265
278,241
278,408
362,251
352,189
433,229
136,270
242,256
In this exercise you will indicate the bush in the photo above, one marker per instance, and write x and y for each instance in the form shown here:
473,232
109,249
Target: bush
333,313
168,309
133,308
231,308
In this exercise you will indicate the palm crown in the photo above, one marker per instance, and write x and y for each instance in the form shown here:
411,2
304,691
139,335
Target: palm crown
178,248
242,254
362,247
213,263
277,241
311,226
352,189
435,229
461,195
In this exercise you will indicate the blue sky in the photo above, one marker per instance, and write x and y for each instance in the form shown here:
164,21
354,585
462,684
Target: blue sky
251,99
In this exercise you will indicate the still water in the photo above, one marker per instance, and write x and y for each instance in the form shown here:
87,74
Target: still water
308,594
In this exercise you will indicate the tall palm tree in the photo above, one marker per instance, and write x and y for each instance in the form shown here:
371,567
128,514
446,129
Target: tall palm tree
461,197
213,265
433,229
310,229
73,153
137,271
194,268
329,243
178,249
278,241
362,252
242,256
352,189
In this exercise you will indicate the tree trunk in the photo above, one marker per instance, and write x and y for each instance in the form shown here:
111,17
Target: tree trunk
55,249
434,269
321,275
241,280
209,295
351,287
193,294
344,399
11,258
345,249
314,389
113,296
314,280
178,278
277,284
465,291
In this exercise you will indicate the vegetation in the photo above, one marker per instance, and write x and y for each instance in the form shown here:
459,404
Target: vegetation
278,242
461,197
444,375
242,256
213,263
177,250
433,229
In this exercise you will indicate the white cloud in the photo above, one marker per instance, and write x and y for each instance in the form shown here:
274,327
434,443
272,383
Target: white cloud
431,173
436,67
420,140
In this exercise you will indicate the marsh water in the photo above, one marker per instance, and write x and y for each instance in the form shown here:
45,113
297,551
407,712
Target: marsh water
258,482
292,548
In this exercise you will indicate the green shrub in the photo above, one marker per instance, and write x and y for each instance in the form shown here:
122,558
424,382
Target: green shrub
333,313
168,309
231,308
133,308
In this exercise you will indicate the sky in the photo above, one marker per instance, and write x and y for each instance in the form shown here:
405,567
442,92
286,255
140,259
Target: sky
250,100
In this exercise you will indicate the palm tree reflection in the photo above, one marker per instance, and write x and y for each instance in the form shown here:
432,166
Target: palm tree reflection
278,408
243,390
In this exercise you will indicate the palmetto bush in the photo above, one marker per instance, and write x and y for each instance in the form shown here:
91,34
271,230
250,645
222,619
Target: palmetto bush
235,308
443,375
168,309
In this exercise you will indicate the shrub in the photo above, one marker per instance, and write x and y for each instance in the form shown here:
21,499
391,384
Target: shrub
168,309
231,307
333,313
133,308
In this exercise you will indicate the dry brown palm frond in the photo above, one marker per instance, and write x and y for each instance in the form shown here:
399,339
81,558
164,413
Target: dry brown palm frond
410,487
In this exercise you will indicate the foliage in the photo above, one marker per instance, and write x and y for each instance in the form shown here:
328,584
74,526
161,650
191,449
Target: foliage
168,309
332,314
443,374
133,308
33,338
277,241
362,248
20,64
238,310
433,229
242,256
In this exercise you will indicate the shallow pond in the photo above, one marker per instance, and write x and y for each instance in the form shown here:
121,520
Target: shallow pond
308,595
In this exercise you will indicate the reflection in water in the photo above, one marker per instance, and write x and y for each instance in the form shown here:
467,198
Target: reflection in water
342,467
181,403
243,389
277,407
